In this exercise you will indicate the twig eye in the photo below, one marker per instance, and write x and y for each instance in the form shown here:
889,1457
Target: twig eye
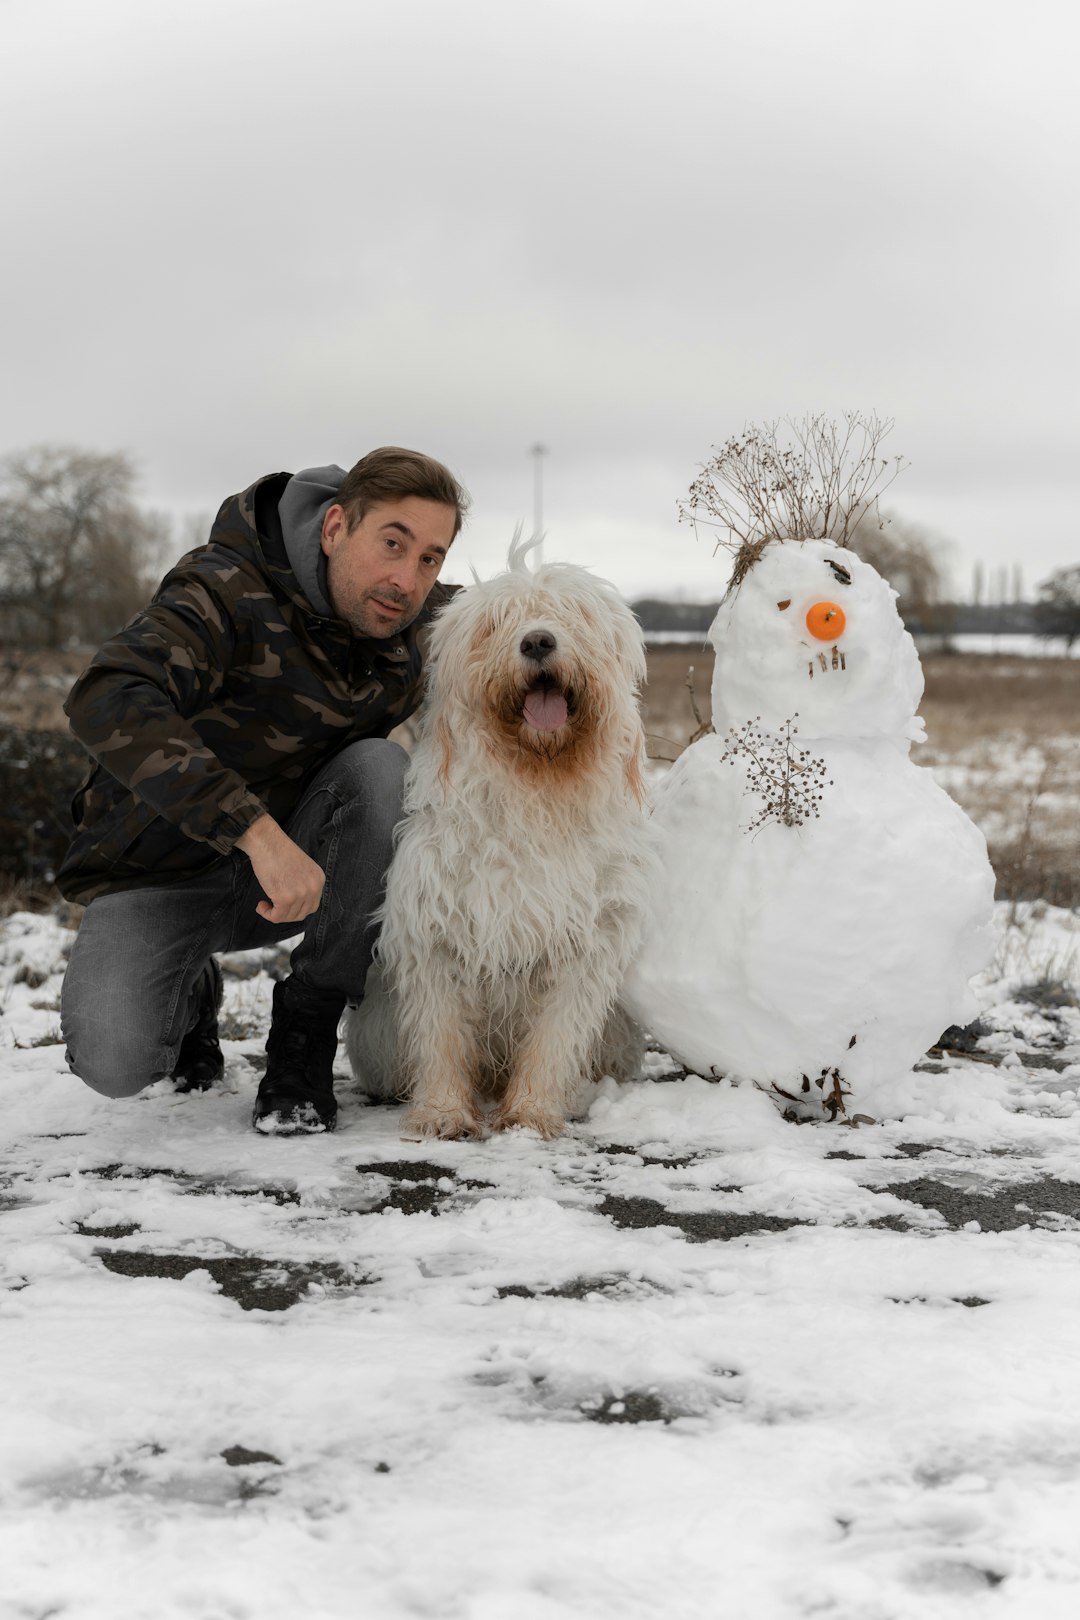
783,605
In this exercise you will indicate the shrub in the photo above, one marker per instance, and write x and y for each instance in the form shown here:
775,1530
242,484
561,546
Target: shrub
39,772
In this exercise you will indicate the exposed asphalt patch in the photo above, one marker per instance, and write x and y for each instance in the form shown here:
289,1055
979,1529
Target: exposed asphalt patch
636,1406
417,1190
962,1038
579,1288
700,1226
664,1164
138,1172
414,1198
1005,1209
1029,1060
972,1301
241,1457
406,1170
277,1195
10,1199
254,1284
999,1209
187,1183
126,1229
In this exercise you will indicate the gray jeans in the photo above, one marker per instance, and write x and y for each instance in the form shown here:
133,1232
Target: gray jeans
128,996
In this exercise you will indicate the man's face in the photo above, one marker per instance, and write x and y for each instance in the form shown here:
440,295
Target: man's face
380,571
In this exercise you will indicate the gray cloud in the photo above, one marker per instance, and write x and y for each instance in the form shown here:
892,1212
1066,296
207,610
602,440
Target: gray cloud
262,235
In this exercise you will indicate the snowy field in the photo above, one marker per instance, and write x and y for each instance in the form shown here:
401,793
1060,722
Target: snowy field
690,1360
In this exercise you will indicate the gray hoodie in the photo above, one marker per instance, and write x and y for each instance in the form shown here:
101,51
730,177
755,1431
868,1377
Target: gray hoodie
306,500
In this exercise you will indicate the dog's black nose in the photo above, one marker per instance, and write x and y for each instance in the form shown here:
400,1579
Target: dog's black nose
538,645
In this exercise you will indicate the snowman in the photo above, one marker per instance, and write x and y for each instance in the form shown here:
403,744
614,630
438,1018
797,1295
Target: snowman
821,903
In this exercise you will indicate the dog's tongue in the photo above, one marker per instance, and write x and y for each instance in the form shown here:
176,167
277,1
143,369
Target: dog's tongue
545,709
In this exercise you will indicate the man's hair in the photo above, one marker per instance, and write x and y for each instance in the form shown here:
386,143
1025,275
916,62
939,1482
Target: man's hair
392,474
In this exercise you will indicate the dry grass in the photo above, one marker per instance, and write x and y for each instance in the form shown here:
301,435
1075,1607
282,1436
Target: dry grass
969,698
668,705
1003,737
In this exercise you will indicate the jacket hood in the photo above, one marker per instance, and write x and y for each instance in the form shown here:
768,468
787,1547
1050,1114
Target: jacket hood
304,503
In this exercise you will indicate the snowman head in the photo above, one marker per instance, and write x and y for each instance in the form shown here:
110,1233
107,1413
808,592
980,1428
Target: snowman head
812,629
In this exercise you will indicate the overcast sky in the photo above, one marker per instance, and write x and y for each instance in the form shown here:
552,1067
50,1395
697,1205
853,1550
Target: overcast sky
247,235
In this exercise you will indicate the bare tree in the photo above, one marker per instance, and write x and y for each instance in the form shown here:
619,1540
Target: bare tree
913,560
1057,612
74,546
796,480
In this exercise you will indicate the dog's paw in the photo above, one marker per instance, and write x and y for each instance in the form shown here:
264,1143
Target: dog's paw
450,1124
545,1123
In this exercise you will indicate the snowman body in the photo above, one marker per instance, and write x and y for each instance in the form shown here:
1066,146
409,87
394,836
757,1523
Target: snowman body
821,903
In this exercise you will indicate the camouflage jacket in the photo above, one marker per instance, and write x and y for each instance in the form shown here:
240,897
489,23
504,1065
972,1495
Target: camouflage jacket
220,701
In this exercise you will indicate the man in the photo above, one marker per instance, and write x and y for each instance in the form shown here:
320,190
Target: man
244,782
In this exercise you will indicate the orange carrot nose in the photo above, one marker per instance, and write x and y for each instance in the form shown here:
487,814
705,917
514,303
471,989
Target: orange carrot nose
826,621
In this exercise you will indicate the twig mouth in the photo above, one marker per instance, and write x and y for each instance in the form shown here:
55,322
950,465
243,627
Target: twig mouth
835,660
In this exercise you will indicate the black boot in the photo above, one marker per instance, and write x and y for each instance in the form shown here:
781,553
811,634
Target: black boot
199,1062
296,1095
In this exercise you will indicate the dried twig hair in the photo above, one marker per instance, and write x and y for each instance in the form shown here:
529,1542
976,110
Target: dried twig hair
821,485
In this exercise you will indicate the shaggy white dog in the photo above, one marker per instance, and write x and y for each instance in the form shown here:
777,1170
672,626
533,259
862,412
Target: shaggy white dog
520,876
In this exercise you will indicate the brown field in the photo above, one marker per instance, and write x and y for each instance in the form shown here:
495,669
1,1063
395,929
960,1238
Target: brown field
1003,737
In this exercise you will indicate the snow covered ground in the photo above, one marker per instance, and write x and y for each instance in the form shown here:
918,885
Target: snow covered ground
691,1360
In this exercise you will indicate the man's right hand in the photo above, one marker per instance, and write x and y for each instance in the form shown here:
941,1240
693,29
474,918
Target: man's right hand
291,879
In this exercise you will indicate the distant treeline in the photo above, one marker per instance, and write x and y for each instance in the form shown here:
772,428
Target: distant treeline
655,615
658,617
